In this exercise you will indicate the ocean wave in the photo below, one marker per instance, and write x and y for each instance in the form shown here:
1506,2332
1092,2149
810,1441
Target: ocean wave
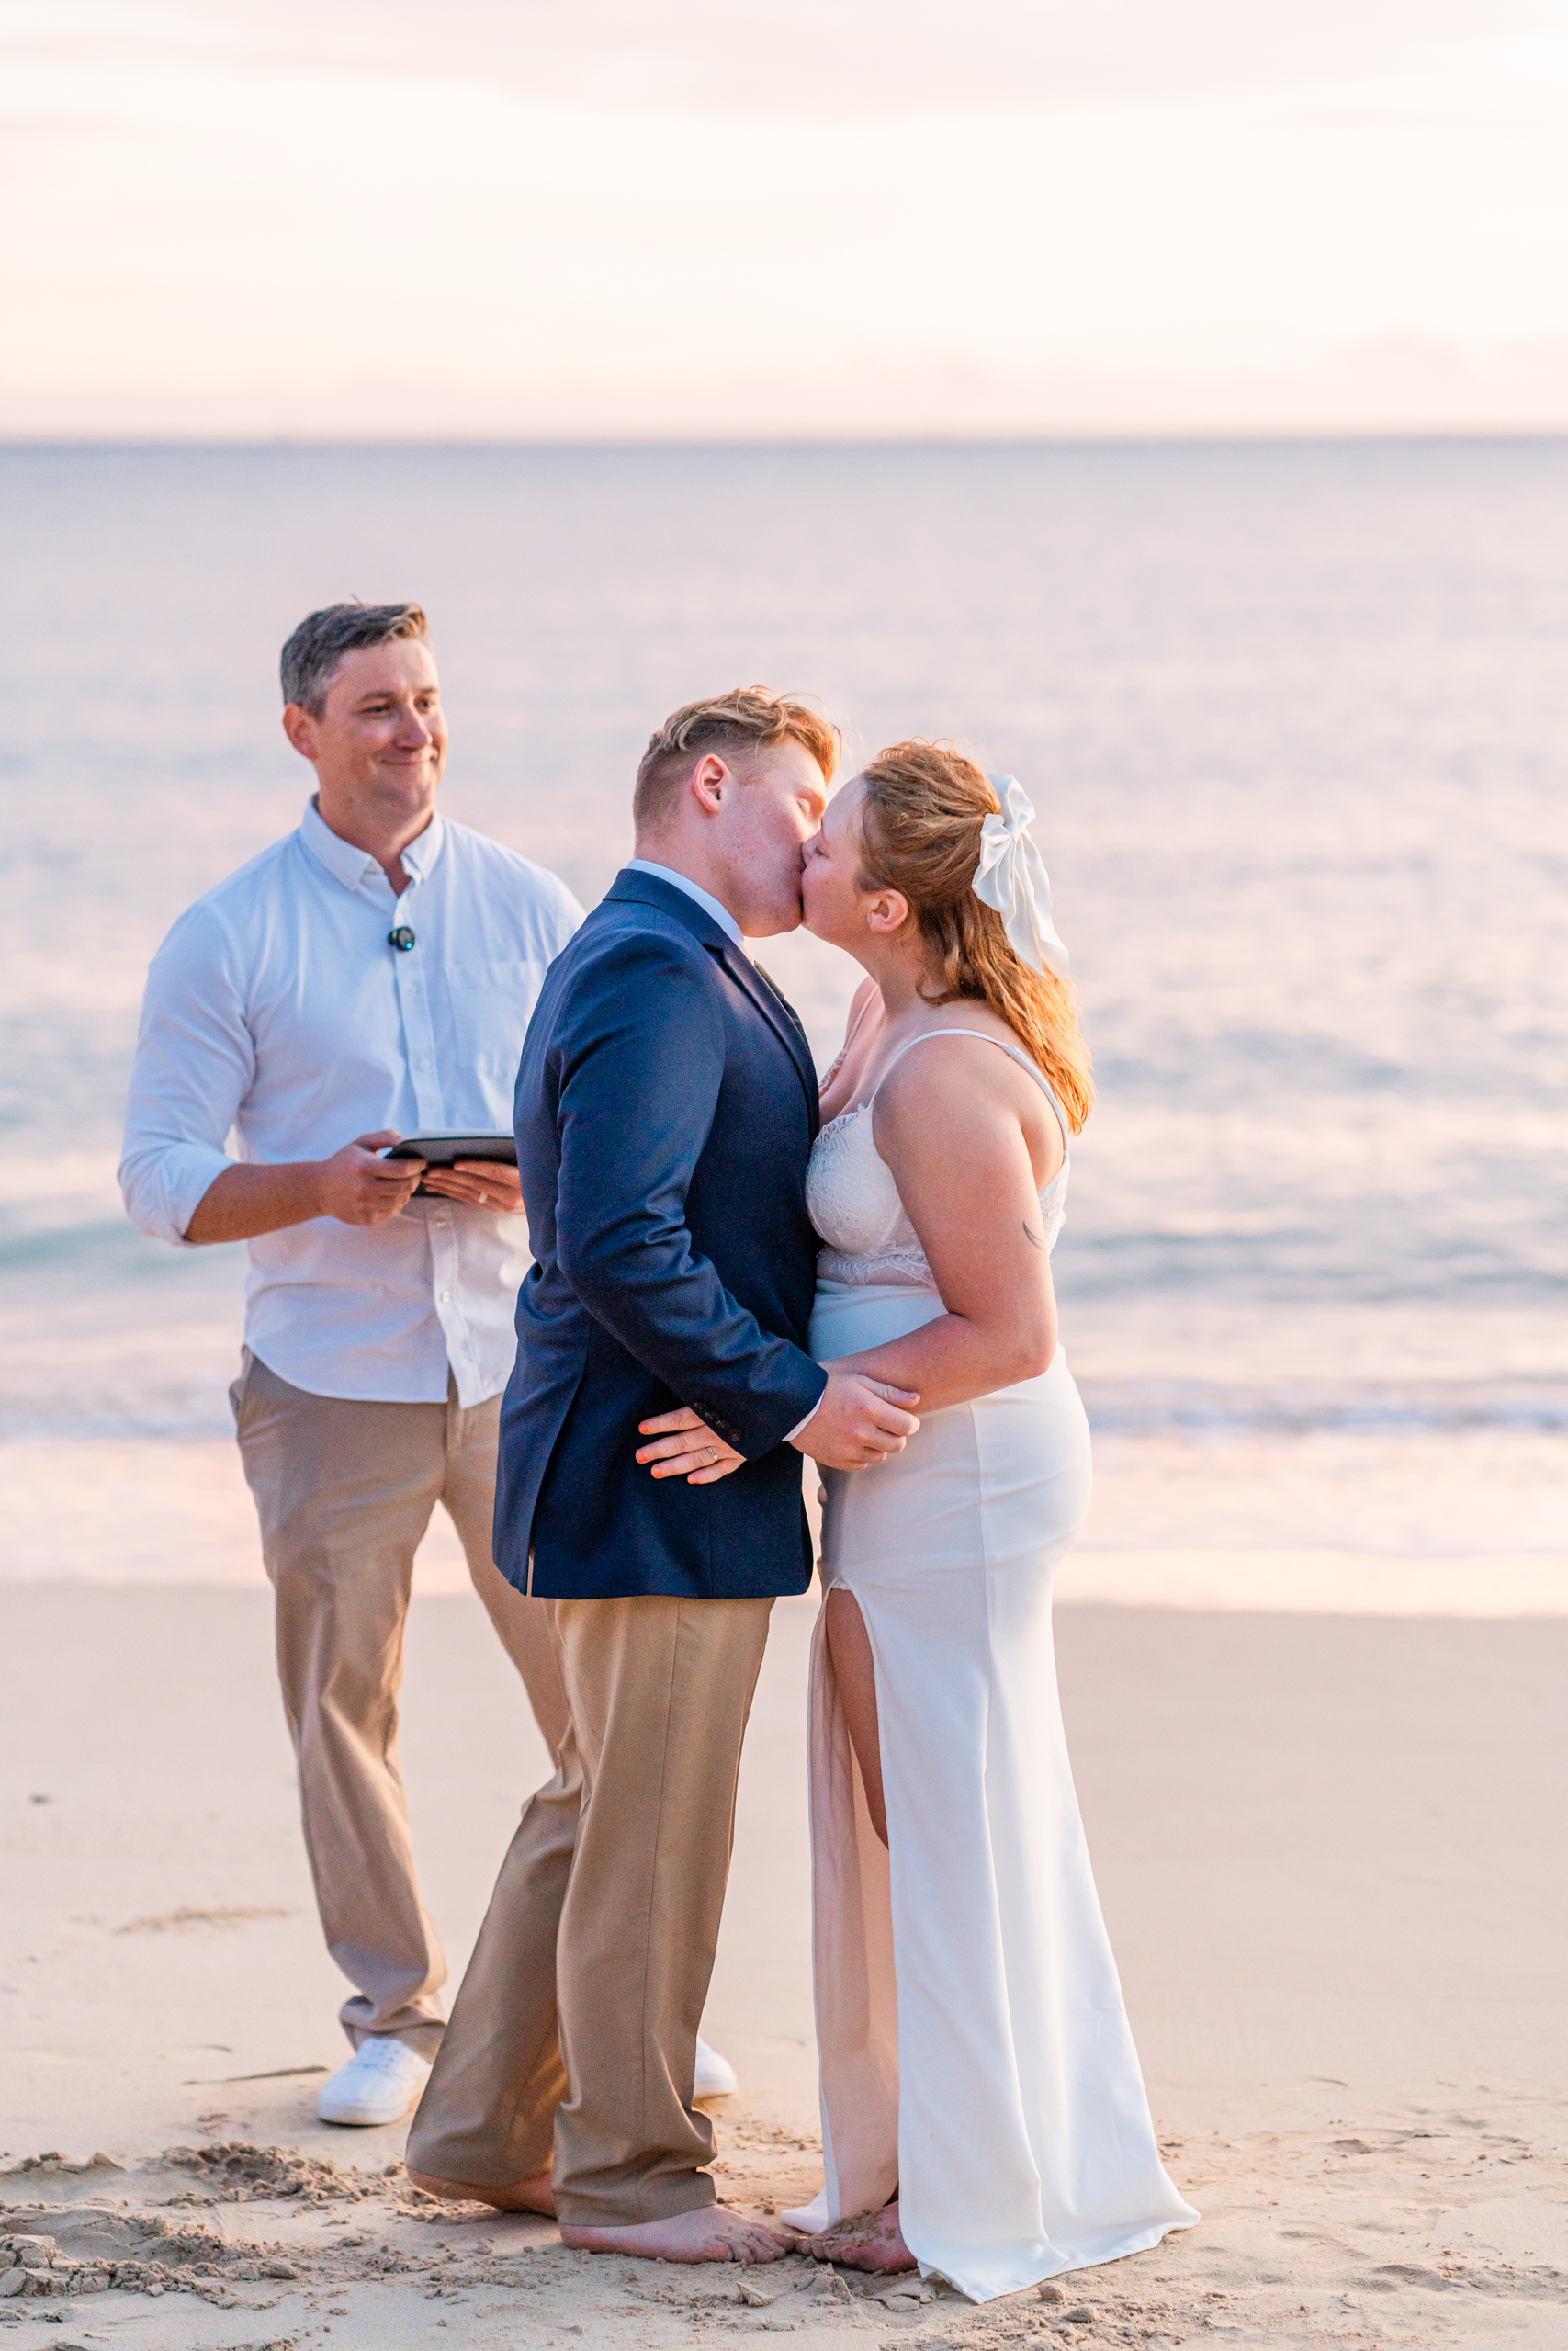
167,1405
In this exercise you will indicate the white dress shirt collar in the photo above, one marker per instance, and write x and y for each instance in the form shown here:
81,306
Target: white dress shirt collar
694,891
352,866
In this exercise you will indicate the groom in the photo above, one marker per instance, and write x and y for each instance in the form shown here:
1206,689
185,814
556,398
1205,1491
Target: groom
666,1108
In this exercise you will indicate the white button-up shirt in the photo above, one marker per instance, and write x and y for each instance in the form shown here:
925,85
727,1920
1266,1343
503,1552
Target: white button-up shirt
276,1011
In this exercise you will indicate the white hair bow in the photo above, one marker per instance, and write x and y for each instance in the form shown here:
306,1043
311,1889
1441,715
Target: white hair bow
1011,877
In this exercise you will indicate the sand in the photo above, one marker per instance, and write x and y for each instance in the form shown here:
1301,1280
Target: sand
1331,1854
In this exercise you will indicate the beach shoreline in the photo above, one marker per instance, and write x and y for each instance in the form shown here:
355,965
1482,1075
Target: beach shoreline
131,1512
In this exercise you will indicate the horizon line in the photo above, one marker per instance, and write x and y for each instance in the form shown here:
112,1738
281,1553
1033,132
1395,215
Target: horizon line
1322,436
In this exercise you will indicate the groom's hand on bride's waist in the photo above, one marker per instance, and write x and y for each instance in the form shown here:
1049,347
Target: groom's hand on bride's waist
858,1421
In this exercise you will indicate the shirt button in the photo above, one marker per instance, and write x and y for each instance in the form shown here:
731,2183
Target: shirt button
440,1224
424,1065
413,987
446,1297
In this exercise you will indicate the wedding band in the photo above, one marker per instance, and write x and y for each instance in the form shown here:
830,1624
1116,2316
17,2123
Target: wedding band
712,1455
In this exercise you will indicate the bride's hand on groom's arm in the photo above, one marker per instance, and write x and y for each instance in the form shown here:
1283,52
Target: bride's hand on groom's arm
858,1421
687,1447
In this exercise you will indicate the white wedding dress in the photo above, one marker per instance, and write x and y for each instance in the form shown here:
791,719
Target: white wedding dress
976,2054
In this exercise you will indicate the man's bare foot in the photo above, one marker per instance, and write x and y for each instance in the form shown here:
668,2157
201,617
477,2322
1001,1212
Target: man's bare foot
710,2233
865,2241
522,2194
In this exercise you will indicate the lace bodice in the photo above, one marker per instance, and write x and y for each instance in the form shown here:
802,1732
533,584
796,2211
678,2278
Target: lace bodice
853,1201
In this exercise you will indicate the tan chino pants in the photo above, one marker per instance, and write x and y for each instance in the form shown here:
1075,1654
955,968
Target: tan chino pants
344,1491
574,2030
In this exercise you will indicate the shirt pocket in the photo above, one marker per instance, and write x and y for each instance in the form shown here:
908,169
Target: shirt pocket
492,1005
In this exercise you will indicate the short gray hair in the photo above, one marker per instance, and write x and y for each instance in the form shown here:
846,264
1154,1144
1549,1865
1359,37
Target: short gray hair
313,654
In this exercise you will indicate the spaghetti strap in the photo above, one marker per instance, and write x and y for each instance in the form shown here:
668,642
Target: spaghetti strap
872,995
1013,1052
837,1063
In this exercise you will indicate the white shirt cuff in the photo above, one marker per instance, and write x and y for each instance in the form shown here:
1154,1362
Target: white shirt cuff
790,1434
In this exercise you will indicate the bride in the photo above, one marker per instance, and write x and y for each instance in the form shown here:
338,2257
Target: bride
983,2111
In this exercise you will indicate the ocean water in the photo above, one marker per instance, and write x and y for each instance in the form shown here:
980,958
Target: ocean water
1295,718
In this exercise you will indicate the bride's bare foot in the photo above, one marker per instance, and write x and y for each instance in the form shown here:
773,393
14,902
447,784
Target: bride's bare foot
522,2194
866,2241
710,2233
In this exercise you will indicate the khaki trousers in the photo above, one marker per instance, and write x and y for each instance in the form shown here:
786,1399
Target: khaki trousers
344,1492
574,2030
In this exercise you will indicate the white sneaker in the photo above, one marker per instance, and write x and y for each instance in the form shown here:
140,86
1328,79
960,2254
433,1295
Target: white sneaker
716,2074
380,2083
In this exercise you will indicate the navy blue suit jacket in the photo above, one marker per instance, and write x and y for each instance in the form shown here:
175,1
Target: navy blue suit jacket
665,1112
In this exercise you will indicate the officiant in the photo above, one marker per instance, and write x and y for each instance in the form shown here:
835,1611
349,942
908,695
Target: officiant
369,976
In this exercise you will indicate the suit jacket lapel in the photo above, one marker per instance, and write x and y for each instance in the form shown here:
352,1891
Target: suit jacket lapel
651,890
783,1018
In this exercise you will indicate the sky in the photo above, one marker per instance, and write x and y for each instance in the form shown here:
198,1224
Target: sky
687,218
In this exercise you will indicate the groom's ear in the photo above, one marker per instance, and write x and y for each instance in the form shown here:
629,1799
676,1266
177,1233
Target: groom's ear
711,782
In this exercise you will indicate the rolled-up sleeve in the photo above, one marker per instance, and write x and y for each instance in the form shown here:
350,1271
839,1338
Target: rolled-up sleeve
195,1063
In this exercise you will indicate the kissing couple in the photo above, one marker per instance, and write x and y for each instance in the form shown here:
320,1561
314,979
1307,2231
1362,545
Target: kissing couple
741,1271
